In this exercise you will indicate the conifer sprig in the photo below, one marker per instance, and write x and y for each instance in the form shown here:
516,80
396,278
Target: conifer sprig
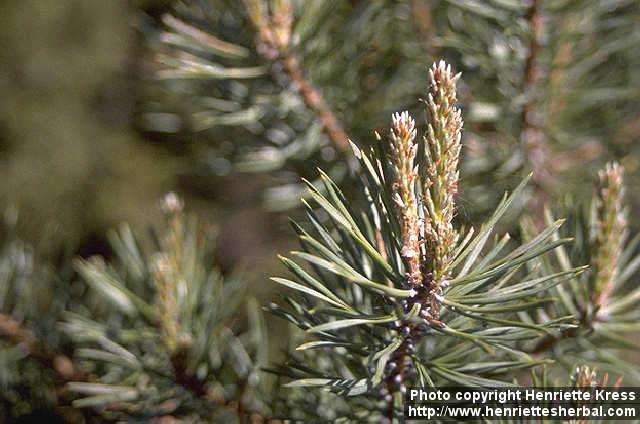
177,331
428,266
377,324
272,75
274,23
603,302
537,88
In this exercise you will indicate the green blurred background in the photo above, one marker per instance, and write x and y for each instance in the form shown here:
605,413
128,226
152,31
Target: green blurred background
72,161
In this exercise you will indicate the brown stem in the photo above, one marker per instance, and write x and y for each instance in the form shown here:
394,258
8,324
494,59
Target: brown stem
400,357
532,16
188,381
314,101
274,31
548,342
531,134
423,18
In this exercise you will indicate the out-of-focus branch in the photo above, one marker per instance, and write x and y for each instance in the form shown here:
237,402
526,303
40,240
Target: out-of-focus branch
559,89
531,133
314,101
610,236
67,371
273,42
166,271
187,380
423,18
61,364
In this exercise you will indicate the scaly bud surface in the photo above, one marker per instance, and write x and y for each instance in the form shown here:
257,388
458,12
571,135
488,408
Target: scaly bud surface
440,172
611,232
403,151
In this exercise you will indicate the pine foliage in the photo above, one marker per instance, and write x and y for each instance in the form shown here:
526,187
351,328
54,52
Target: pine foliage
604,300
551,89
392,296
391,287
549,85
275,87
171,341
34,360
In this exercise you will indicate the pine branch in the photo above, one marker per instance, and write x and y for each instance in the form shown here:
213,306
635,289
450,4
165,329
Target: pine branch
67,371
372,295
603,310
428,268
58,362
190,382
175,301
289,116
167,272
557,89
531,133
274,43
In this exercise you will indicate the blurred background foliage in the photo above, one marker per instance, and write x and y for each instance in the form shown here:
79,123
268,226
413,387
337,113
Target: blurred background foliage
70,161
73,162
91,139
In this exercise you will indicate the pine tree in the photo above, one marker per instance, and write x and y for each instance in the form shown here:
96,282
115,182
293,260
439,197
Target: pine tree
392,287
397,295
